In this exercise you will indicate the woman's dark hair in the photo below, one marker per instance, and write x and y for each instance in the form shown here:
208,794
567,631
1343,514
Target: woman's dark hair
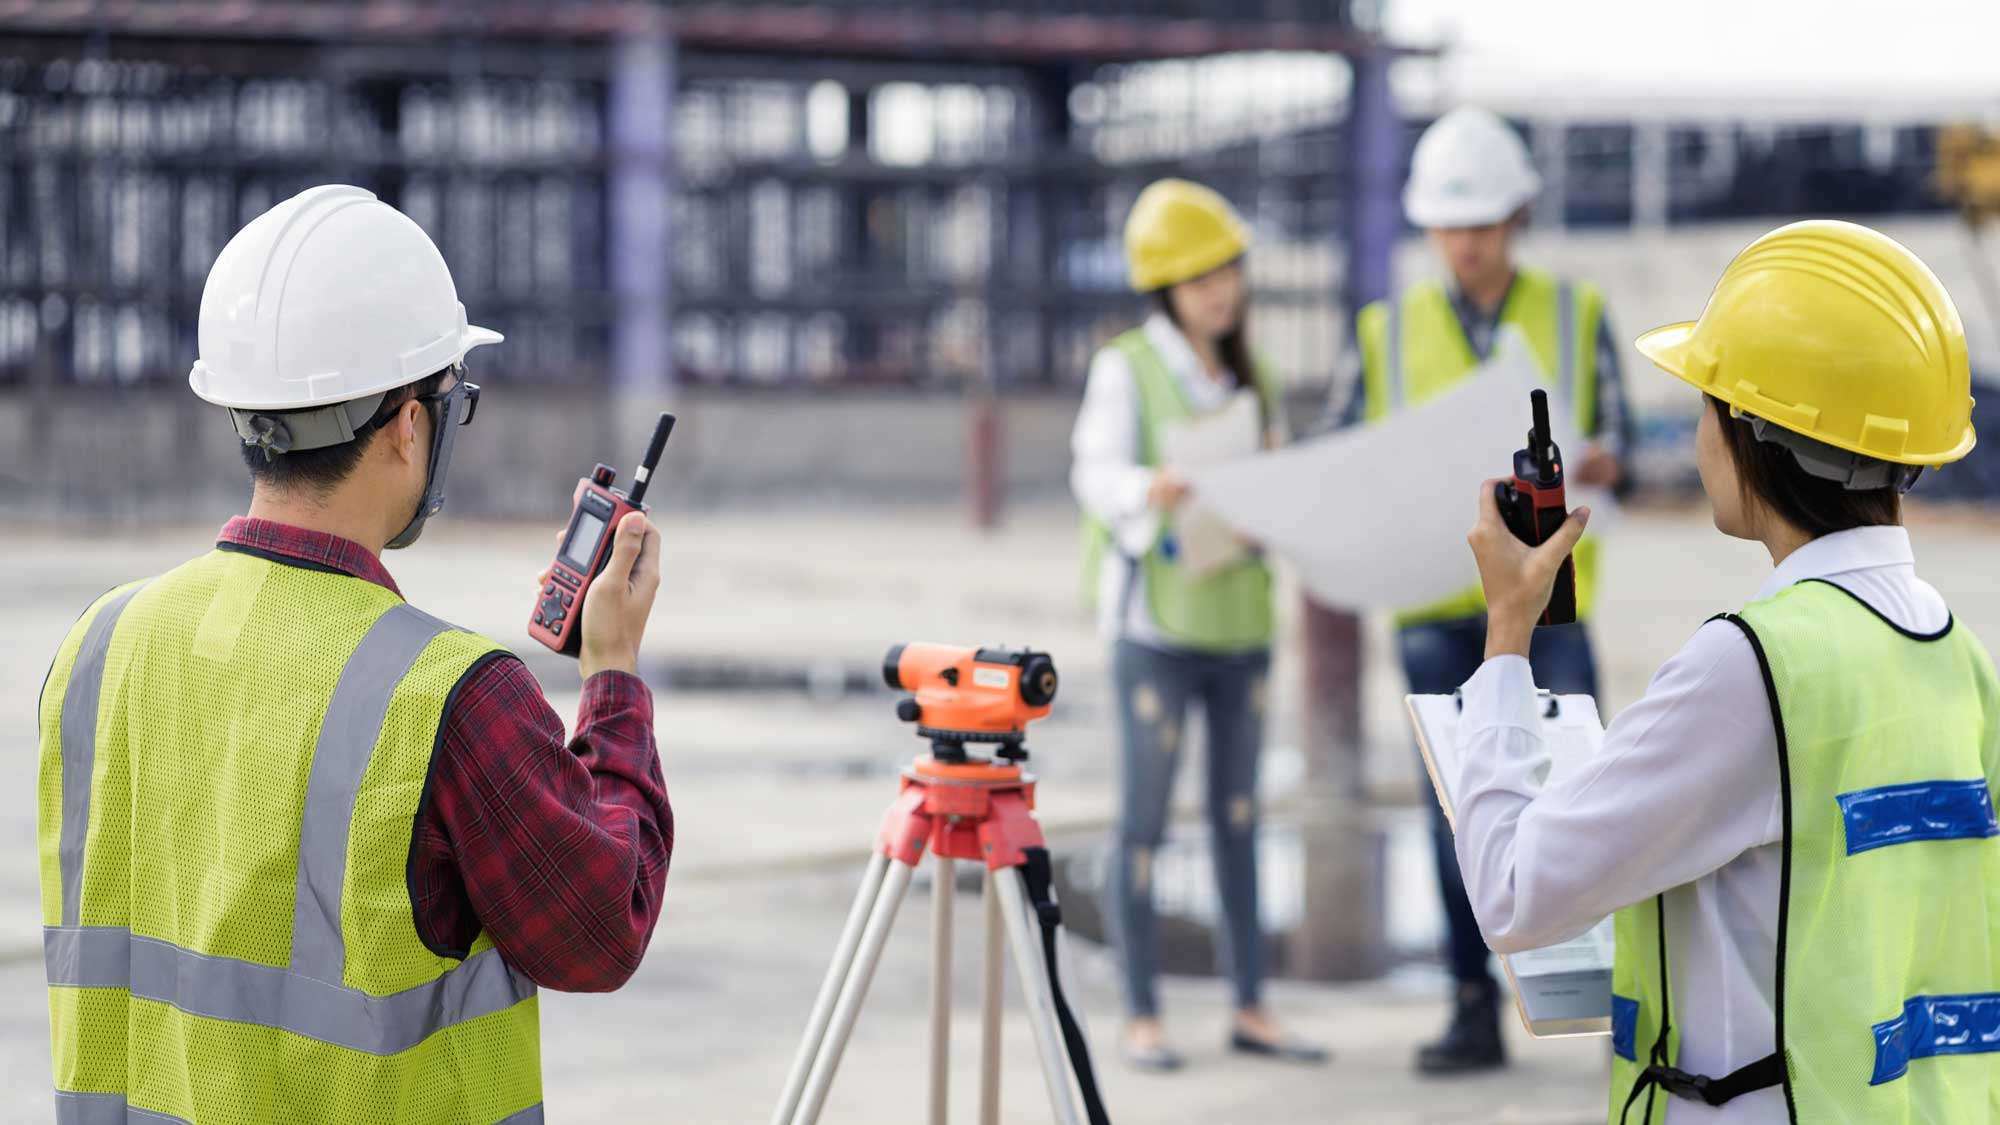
1817,506
1233,346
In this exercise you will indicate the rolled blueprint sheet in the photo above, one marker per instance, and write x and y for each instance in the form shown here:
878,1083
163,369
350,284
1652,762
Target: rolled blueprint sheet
1374,517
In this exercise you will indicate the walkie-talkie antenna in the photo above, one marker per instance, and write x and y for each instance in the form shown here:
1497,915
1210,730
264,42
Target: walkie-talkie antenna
1542,443
644,476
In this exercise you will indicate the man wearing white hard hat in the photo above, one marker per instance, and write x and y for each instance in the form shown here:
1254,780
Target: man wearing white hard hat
307,851
1470,187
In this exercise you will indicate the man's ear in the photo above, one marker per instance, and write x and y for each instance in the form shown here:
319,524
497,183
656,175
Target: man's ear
409,435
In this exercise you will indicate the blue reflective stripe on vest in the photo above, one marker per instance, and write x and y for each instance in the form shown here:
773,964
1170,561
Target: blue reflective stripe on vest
1936,1025
1624,1027
79,748
104,1109
1924,810
347,738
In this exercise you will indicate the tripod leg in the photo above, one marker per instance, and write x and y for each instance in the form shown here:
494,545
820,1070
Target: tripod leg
989,1016
855,990
942,888
1022,938
829,989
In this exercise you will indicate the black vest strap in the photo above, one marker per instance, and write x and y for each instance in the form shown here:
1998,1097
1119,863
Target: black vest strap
1760,1075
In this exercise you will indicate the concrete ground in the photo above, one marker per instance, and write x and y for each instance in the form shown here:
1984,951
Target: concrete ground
776,793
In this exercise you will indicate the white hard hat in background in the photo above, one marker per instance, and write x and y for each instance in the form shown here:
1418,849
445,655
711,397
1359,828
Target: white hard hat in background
330,296
1470,169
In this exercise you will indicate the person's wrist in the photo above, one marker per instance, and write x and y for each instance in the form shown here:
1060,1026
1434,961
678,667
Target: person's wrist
591,661
1508,634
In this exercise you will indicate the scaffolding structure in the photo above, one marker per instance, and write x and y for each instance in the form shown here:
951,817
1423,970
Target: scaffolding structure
834,195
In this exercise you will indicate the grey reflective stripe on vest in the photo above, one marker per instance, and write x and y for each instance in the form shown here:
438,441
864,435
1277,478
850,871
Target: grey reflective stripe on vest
1392,349
79,747
104,1109
347,737
307,998
246,992
1566,341
110,1109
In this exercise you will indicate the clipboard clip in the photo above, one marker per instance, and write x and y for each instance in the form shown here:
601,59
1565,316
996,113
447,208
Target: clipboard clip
1551,709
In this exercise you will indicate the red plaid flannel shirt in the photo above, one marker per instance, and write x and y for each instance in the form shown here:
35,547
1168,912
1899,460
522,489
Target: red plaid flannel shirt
559,850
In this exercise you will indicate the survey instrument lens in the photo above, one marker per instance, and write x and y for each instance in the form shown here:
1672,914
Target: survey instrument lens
595,509
959,695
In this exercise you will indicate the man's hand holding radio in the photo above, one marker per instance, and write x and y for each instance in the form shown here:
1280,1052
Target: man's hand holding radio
1517,578
618,603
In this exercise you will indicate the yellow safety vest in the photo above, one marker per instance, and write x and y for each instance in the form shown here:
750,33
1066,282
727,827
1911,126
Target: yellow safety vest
1227,611
1888,972
1413,348
232,759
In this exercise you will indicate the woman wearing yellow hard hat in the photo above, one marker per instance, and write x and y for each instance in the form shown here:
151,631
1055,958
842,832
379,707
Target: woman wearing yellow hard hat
1795,827
1182,630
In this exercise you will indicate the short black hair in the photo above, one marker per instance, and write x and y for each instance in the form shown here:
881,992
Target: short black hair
1814,505
322,470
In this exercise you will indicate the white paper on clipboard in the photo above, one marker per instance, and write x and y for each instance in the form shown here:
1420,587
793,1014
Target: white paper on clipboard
1207,542
1562,989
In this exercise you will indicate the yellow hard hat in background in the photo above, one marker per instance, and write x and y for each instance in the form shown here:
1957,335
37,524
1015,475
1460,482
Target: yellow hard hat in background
1837,332
1179,230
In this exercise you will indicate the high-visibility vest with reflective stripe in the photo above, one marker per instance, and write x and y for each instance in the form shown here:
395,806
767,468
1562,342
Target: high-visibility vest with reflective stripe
1888,945
1226,610
232,759
1413,348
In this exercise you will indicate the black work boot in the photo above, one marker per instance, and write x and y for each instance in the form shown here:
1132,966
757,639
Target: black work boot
1472,1042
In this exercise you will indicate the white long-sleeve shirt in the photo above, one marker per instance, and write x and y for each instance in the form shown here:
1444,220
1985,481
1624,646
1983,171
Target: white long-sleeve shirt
1111,483
1683,799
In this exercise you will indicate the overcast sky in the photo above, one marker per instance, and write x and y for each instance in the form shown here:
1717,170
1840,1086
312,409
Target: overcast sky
1897,56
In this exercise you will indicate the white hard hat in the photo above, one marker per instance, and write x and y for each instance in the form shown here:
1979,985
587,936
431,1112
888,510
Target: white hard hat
328,297
1470,169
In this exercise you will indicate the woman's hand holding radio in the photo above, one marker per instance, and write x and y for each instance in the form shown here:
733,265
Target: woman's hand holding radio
618,603
1517,578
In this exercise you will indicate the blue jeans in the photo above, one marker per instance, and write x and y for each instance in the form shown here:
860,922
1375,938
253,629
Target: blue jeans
1155,688
1437,658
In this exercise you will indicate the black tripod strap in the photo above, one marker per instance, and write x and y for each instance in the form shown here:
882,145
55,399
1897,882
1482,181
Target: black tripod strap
1039,875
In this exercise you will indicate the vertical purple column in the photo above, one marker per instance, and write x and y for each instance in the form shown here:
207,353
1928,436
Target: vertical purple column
640,188
1342,932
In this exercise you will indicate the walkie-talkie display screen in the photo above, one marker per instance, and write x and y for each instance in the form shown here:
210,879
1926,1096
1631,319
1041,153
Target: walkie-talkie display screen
582,545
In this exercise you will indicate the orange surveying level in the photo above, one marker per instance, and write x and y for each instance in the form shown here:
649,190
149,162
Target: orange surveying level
963,695
1533,506
959,808
595,509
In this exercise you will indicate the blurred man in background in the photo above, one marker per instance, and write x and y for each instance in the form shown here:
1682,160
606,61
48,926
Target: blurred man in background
1470,187
306,850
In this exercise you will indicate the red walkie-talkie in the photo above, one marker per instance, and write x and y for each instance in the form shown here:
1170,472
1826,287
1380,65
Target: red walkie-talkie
597,507
1532,504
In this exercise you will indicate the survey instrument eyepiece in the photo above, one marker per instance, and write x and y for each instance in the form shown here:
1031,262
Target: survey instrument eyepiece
960,694
1534,506
595,509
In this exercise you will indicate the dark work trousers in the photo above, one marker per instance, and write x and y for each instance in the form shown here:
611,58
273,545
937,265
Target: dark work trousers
1438,657
1155,687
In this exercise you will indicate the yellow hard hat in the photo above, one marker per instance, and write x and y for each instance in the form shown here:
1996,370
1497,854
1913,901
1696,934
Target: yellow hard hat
1179,230
1837,332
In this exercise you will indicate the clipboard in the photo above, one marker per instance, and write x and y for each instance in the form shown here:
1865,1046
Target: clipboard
1561,990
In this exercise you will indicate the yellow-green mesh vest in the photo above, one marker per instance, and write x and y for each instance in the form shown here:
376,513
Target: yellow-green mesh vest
1413,349
1888,973
232,758
1227,610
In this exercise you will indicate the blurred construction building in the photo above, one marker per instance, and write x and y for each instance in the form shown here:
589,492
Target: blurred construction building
888,205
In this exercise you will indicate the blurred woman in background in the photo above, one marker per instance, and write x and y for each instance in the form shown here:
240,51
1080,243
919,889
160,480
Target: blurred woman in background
1178,634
